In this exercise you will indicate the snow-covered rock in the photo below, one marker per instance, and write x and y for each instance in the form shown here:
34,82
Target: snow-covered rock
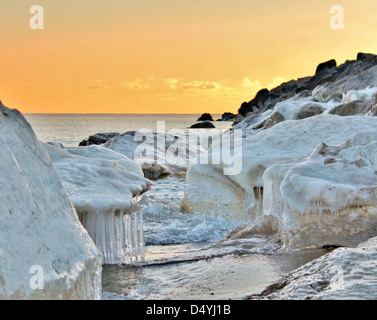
39,226
319,195
105,188
330,198
344,274
159,154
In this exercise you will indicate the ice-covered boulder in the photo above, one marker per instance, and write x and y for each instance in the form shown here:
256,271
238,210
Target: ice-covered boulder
105,188
39,228
329,198
305,190
158,154
344,274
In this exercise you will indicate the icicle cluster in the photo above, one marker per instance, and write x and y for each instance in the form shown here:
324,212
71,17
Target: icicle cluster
117,234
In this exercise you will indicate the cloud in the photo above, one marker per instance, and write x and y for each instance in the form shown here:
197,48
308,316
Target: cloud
98,85
276,82
138,84
201,85
247,83
172,83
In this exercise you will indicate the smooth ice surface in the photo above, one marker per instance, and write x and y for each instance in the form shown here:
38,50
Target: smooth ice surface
105,188
38,224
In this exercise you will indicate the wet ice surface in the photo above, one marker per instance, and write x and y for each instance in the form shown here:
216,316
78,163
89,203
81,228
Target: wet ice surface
186,257
231,276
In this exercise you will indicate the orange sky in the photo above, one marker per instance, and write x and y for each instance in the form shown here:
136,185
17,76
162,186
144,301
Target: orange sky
168,56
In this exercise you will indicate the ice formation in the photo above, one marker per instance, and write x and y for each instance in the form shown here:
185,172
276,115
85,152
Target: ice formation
38,224
344,274
158,154
318,194
105,188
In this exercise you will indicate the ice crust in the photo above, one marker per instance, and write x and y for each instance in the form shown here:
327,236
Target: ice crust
158,156
316,177
38,223
344,274
105,188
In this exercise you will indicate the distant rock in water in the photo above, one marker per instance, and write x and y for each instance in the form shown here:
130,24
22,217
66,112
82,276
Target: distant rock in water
228,116
98,138
205,117
203,125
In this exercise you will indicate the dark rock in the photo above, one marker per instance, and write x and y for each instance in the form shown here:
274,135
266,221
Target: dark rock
205,117
365,56
303,84
353,108
244,109
326,65
98,138
308,111
274,119
228,116
326,72
203,125
83,143
325,75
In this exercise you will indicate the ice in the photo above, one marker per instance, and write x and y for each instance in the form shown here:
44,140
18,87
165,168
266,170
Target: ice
98,152
344,274
317,194
105,187
38,224
330,197
156,152
366,95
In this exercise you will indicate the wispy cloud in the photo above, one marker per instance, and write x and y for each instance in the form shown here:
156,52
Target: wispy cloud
247,83
172,83
201,85
276,82
97,85
138,84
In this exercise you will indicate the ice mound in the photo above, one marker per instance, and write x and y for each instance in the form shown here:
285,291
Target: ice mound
344,274
321,197
38,224
98,152
157,153
329,198
105,191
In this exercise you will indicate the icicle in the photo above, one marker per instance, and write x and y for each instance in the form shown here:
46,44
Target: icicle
118,235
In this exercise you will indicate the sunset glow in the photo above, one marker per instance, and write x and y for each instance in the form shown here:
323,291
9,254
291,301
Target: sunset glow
165,56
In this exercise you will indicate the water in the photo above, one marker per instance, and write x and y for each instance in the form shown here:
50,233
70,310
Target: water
70,129
185,255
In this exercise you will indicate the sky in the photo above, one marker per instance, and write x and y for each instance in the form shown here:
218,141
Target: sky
168,56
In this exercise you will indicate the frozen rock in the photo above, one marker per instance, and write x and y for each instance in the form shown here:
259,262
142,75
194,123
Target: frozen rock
38,223
344,274
332,189
105,188
158,154
330,198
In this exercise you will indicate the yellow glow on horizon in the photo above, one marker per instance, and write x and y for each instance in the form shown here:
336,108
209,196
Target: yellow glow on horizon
147,56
